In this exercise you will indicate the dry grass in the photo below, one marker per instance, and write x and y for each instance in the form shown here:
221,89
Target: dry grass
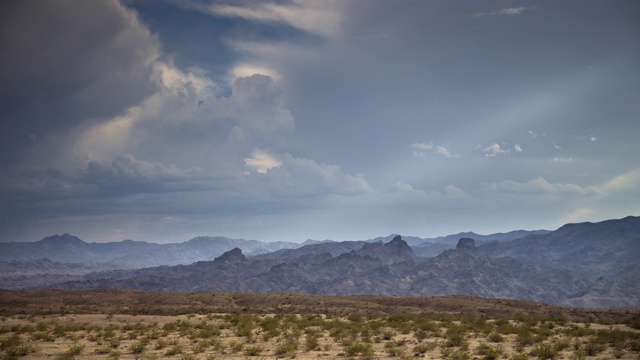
182,326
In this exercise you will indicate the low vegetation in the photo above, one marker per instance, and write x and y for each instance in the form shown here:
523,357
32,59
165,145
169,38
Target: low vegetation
287,335
290,326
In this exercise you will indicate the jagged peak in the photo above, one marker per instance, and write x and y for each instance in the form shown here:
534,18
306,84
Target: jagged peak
231,256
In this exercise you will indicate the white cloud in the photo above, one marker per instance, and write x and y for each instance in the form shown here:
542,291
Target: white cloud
305,177
261,161
626,181
408,189
493,150
561,160
245,70
442,150
505,11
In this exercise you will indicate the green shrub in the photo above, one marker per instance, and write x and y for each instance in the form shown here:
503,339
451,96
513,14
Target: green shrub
364,350
74,350
544,351
253,350
489,352
496,337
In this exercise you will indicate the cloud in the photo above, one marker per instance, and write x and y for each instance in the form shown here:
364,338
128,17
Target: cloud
493,150
261,161
591,138
69,68
561,160
304,177
442,150
408,189
318,18
245,70
422,146
505,11
540,186
625,182
420,150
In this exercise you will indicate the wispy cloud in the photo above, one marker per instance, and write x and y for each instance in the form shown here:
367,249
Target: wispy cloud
505,11
561,160
310,16
422,146
541,186
591,138
420,150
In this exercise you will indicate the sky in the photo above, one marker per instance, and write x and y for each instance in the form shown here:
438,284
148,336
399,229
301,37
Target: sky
292,120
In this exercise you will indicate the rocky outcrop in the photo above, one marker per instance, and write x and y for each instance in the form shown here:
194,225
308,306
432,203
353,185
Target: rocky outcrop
232,256
466,243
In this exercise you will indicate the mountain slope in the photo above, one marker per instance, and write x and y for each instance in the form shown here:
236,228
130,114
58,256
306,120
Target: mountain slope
374,269
592,249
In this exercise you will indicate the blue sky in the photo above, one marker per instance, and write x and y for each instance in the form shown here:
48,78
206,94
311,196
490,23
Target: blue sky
290,120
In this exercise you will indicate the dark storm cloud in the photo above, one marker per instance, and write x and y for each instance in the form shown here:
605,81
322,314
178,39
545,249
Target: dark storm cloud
65,62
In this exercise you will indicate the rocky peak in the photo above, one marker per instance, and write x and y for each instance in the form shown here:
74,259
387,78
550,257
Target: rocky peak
466,243
232,256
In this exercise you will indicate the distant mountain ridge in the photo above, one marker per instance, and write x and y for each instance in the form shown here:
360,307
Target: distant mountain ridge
581,265
70,249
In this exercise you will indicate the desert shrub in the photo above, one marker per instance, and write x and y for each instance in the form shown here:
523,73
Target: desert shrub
519,356
496,337
424,348
593,347
12,341
174,350
420,335
270,325
359,349
633,345
578,354
388,334
253,350
19,350
72,352
614,336
577,331
452,354
287,348
523,339
102,350
455,337
544,351
201,346
561,345
489,352
312,342
139,348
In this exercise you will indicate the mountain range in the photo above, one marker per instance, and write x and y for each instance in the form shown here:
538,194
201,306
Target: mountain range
578,265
